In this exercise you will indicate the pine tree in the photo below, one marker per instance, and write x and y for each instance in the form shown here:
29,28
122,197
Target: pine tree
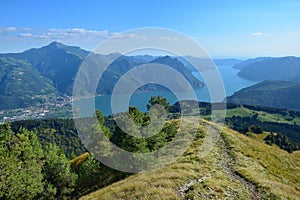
21,164
57,172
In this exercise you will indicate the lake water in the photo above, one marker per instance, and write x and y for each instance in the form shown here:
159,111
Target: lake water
232,83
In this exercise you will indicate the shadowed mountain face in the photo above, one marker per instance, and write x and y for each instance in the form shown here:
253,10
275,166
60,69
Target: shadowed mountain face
260,69
124,64
278,94
243,64
52,69
177,65
56,61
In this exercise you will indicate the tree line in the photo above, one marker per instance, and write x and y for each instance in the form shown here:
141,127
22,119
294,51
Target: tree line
45,159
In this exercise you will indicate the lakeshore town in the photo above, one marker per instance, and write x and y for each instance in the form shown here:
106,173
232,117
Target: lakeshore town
54,106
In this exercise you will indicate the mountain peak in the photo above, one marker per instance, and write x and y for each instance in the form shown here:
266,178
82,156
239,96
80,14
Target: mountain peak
165,59
56,44
53,46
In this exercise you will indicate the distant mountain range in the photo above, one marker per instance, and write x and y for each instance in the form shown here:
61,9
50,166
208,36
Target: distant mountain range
27,77
279,85
278,94
245,63
260,69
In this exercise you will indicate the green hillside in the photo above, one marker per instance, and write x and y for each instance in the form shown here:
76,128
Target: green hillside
20,86
278,94
238,167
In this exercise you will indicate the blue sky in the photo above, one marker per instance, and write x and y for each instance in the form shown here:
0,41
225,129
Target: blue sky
224,28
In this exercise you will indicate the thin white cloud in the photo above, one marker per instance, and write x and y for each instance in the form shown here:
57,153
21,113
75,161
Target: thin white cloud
25,35
168,38
7,29
260,34
72,33
257,34
13,29
116,35
68,34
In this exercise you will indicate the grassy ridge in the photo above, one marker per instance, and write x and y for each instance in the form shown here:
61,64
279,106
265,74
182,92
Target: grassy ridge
274,172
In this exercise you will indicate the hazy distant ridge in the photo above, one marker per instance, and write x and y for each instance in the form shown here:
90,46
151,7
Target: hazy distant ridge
260,69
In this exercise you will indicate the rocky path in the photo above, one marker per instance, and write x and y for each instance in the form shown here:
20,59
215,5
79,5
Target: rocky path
183,189
226,160
225,163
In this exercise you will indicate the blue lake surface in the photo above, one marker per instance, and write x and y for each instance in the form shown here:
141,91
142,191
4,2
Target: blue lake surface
232,83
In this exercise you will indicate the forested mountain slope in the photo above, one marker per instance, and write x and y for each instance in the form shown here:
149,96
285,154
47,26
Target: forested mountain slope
277,94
